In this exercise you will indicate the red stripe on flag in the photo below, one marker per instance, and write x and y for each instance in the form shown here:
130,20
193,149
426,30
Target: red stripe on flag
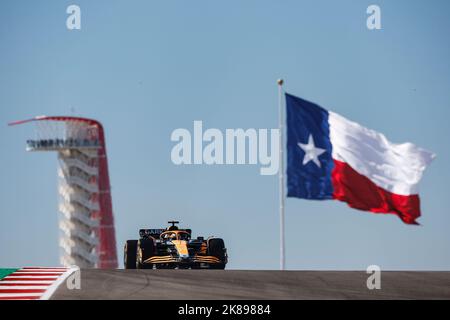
361,193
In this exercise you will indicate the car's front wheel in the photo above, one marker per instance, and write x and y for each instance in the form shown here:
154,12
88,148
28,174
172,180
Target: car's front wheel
216,248
145,250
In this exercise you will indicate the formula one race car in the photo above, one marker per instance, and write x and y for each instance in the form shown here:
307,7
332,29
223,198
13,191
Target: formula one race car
173,248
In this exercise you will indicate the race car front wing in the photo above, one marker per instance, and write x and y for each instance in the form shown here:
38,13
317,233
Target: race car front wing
173,259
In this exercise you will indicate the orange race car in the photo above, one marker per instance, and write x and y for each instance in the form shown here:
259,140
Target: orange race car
174,248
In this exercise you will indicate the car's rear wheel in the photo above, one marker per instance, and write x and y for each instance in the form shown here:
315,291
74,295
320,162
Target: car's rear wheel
129,254
145,250
216,248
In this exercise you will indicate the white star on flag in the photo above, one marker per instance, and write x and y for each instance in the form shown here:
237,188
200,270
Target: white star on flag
311,152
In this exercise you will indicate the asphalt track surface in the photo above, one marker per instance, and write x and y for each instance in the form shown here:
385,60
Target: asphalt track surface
240,284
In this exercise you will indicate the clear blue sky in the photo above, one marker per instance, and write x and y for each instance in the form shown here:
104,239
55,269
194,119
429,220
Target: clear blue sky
145,68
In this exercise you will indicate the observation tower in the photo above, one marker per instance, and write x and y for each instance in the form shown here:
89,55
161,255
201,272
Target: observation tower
86,222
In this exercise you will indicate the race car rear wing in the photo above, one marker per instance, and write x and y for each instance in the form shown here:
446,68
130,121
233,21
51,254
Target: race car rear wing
155,233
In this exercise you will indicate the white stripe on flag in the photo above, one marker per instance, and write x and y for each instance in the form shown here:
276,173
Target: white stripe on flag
394,167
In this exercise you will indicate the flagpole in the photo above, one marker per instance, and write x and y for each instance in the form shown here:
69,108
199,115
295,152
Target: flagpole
281,173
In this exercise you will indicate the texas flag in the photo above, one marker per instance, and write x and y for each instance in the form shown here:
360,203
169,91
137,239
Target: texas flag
331,157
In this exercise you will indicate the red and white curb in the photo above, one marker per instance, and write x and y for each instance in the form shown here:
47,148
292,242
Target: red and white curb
33,283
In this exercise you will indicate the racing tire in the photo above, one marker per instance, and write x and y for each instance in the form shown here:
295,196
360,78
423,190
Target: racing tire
129,254
146,248
216,248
